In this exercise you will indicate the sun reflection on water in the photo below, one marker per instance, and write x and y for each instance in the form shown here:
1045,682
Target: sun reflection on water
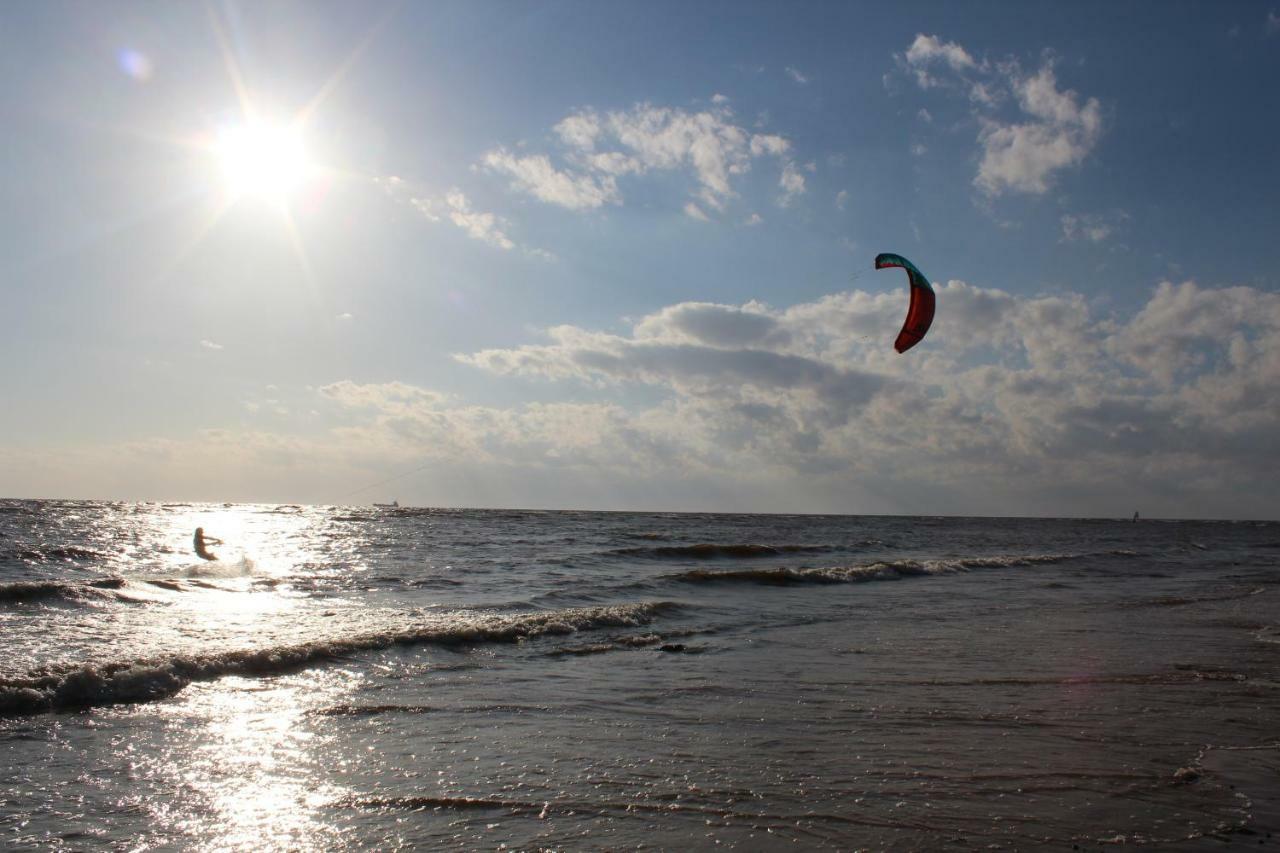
243,751
252,765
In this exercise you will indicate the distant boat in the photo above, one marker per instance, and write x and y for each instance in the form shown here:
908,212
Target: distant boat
1135,515
392,504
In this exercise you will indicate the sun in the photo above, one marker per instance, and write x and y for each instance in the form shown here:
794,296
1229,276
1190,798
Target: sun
261,159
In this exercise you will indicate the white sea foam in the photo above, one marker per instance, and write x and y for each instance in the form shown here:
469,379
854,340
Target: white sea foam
157,677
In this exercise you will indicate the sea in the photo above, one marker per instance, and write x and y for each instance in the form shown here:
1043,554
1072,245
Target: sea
396,678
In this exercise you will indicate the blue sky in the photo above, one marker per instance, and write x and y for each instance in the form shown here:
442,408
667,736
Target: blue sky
619,255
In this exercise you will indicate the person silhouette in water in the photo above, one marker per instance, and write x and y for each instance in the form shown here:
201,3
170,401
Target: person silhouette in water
200,541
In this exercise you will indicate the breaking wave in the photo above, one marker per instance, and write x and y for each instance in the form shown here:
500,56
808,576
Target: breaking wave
883,571
157,678
91,592
27,591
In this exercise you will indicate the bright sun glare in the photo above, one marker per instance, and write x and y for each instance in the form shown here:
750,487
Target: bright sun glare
262,160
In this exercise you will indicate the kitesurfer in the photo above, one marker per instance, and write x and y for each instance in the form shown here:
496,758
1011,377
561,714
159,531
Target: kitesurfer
200,541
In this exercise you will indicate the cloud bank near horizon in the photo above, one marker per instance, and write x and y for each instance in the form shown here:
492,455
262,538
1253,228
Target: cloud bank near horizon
1014,404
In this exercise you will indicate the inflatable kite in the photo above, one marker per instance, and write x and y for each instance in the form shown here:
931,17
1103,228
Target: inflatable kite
920,314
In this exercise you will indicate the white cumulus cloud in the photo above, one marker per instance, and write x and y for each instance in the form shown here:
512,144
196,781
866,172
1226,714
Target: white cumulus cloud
1049,129
537,176
928,51
1024,156
599,148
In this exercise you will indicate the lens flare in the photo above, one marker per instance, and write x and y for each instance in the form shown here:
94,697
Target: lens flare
135,64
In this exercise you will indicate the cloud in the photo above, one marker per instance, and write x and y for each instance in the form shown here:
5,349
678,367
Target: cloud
416,424
386,396
1012,404
928,51
535,175
207,344
842,198
797,76
1040,393
479,226
580,130
1188,328
1051,130
597,149
695,212
1093,227
1024,156
1273,22
769,144
792,183
455,207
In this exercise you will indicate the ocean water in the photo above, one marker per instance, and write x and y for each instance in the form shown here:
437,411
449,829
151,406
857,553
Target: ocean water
398,678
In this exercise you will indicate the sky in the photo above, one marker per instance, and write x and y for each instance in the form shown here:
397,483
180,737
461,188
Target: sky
620,255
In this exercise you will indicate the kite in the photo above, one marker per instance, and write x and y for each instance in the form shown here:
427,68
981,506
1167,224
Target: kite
920,314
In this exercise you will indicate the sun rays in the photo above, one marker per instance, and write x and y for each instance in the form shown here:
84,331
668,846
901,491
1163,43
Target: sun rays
264,158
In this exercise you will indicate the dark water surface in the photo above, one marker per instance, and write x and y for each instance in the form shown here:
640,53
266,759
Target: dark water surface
358,677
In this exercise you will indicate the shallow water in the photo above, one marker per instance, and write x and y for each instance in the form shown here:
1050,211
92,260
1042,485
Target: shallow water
353,677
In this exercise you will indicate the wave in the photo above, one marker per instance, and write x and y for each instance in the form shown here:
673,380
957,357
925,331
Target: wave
377,710
64,553
614,644
150,679
659,805
883,571
76,591
709,551
24,591
1183,600
1180,674
284,509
